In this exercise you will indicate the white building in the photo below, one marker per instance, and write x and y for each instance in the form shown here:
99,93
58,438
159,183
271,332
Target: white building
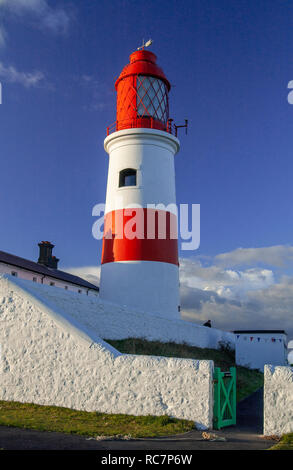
44,271
255,348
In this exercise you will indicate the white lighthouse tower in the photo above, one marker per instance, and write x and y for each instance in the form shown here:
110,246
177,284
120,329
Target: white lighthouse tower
139,267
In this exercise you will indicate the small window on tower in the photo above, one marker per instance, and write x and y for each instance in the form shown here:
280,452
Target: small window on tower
127,177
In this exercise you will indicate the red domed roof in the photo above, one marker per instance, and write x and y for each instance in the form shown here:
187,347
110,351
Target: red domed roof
143,63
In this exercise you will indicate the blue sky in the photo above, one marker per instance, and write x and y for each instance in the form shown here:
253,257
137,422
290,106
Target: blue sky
229,64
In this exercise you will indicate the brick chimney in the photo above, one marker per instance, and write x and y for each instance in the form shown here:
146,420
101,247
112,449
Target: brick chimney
45,257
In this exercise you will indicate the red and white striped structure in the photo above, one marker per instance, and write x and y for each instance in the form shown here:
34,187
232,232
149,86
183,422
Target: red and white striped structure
140,261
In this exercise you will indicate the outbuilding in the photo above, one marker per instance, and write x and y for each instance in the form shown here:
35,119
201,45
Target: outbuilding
45,271
255,348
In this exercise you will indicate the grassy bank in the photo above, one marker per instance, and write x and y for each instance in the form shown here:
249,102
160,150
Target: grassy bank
248,381
53,418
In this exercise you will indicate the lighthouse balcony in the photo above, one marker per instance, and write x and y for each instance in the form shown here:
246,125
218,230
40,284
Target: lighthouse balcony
143,122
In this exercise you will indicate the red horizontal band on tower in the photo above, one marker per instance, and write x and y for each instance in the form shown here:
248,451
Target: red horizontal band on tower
140,234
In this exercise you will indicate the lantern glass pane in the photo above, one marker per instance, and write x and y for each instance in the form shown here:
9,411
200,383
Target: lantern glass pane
152,98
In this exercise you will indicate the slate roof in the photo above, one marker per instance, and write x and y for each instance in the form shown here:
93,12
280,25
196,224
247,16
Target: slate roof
41,269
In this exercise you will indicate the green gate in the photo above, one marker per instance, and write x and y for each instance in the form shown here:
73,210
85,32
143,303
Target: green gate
224,398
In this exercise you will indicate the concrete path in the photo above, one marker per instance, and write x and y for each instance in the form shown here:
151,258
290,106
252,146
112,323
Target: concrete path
245,436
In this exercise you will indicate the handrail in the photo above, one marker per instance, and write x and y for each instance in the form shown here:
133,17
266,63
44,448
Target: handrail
136,123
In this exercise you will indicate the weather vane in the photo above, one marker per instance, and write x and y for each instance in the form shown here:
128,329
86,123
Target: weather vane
145,44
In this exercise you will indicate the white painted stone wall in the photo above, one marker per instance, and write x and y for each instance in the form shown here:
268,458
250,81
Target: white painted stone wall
49,357
278,400
112,321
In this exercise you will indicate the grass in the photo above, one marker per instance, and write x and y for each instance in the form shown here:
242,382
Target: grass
92,424
286,443
248,381
65,420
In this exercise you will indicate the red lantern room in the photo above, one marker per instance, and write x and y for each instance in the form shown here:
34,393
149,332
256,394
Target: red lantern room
142,94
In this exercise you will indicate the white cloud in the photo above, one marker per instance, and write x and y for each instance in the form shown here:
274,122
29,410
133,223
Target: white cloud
2,36
89,273
19,5
27,79
278,255
228,282
262,309
43,16
249,298
98,92
55,19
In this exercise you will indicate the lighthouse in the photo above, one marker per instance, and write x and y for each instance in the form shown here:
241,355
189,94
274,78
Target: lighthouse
139,266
